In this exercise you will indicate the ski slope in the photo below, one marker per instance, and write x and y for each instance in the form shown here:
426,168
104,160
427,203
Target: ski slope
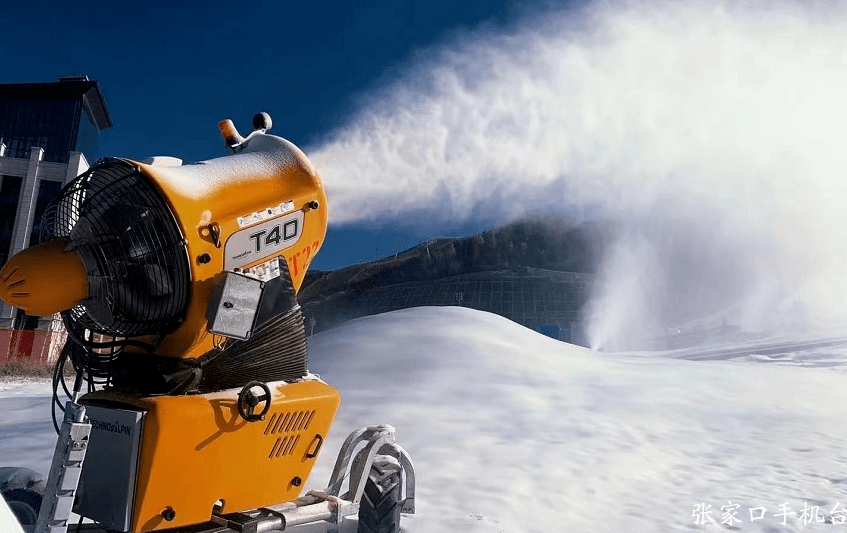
513,432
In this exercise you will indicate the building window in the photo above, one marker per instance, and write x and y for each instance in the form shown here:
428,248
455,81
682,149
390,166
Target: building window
25,321
48,124
88,137
10,192
47,190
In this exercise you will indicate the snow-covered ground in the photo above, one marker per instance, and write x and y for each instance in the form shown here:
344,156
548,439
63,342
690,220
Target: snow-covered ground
511,431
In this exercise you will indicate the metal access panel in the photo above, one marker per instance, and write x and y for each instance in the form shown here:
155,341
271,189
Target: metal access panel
233,306
107,484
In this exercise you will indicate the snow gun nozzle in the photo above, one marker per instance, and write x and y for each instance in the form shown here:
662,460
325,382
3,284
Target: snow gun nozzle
231,136
234,141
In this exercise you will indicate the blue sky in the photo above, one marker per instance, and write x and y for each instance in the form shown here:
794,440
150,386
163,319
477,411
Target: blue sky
709,129
170,71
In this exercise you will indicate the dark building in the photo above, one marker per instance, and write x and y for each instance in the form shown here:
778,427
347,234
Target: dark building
48,136
58,117
536,272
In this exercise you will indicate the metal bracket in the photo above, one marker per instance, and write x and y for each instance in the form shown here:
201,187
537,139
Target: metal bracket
379,439
262,519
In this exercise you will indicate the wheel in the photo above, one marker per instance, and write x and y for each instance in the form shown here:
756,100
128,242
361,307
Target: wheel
379,510
24,504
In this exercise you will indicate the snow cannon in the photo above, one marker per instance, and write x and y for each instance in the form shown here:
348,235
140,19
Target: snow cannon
177,286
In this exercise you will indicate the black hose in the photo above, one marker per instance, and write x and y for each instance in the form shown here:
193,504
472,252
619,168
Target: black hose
93,369
59,377
66,319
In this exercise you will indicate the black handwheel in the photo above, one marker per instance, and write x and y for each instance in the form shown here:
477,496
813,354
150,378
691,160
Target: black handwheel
379,509
247,401
24,504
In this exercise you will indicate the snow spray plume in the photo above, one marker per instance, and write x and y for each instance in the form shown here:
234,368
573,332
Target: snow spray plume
712,130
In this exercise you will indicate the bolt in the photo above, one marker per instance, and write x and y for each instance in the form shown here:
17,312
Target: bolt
169,514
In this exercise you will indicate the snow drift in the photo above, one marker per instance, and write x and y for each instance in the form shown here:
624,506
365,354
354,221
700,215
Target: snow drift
512,431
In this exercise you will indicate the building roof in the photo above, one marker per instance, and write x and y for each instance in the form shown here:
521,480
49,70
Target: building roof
67,88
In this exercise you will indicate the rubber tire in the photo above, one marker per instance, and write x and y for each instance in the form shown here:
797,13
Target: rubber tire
25,504
379,509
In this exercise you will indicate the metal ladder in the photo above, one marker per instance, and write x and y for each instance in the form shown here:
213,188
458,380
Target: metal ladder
65,470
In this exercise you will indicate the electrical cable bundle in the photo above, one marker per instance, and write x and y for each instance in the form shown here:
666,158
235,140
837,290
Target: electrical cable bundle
93,362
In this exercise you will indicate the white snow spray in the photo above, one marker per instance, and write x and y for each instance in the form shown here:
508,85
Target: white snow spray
714,131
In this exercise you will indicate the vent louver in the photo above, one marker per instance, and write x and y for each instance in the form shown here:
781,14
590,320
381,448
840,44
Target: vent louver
289,426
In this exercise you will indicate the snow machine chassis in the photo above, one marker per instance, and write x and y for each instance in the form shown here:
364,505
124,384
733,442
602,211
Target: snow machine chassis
315,506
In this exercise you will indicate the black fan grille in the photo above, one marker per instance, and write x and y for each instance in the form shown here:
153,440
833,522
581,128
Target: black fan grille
133,250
